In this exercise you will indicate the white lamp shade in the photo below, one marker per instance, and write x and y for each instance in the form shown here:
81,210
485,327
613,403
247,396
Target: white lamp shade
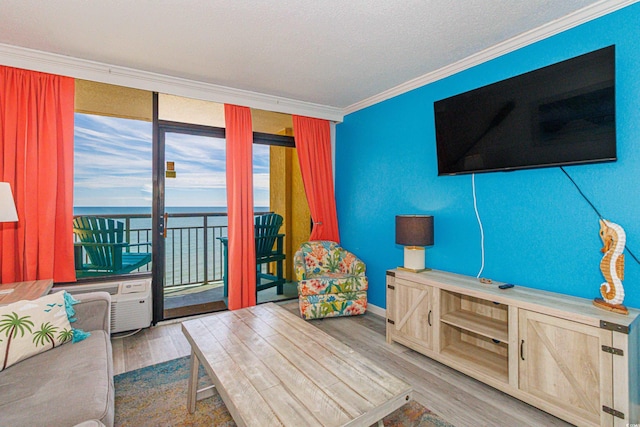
7,205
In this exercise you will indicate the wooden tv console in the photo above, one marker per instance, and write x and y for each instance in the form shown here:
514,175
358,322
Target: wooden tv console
556,352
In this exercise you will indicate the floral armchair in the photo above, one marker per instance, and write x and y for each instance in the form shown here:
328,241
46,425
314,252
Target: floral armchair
331,280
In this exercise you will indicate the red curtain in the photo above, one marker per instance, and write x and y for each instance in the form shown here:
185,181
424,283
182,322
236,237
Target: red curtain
313,144
36,159
242,250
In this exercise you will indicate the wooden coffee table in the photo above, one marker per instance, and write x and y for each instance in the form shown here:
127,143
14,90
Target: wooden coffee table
272,368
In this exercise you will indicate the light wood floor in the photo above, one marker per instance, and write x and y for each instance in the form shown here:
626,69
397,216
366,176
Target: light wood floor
460,400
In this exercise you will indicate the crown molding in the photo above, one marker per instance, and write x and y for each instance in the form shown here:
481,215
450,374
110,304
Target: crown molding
552,28
20,57
47,62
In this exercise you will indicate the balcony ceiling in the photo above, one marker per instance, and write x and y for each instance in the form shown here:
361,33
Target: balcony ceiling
330,52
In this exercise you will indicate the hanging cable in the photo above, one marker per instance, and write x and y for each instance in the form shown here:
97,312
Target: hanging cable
581,193
594,209
475,207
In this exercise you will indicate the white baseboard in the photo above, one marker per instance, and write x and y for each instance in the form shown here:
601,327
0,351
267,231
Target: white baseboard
377,310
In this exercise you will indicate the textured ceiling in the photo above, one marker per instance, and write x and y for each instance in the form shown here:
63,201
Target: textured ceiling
330,52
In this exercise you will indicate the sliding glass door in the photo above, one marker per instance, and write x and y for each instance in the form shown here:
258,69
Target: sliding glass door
191,208
189,202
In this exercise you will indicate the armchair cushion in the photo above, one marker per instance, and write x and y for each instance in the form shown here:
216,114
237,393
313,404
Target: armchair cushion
317,258
331,280
333,283
333,305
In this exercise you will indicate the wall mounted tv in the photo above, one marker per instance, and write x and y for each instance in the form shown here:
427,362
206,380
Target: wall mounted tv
561,114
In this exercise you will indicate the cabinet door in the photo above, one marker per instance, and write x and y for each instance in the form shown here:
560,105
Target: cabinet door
391,286
562,363
412,313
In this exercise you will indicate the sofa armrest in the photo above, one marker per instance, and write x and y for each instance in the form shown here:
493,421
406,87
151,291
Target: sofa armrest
93,311
90,423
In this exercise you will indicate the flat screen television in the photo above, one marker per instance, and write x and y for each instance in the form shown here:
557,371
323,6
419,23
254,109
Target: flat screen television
562,114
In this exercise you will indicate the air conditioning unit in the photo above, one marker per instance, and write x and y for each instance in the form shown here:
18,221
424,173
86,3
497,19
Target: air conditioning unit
130,302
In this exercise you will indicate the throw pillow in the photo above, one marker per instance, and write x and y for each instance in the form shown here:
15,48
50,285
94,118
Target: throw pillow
31,327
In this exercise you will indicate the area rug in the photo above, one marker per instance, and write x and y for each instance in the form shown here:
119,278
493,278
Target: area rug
157,396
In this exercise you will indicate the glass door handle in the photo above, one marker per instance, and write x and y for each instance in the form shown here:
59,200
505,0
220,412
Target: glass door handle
166,220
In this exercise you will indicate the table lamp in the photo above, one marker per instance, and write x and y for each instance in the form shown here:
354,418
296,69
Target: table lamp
414,232
7,205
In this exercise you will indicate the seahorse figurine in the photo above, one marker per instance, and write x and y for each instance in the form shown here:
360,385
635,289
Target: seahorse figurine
612,263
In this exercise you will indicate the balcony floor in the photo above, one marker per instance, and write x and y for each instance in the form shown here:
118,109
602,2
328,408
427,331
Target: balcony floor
213,293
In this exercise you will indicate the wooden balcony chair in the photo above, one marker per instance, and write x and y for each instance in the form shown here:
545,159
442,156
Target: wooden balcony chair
269,248
107,252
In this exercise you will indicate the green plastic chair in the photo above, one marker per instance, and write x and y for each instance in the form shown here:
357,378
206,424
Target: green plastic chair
102,240
269,248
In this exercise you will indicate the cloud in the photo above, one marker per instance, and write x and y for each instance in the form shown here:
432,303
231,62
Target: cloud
113,165
261,181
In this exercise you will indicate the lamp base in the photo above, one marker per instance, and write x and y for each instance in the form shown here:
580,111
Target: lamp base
414,270
414,258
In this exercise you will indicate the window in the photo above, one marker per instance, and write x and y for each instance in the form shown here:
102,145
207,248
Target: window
112,179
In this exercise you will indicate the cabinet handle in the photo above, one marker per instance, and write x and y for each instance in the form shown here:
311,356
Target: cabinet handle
429,318
522,349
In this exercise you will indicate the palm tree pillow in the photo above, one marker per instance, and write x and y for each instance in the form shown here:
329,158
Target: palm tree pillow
28,328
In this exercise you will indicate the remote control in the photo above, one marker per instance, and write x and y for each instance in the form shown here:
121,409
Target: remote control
506,286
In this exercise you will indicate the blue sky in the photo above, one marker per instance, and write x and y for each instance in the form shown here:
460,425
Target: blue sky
113,166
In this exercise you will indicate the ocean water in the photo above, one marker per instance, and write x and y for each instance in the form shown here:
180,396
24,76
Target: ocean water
216,215
111,210
185,242
135,210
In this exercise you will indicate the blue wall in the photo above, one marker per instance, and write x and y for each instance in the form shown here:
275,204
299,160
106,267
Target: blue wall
539,232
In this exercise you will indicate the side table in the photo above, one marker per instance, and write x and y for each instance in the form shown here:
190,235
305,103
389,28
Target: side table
32,289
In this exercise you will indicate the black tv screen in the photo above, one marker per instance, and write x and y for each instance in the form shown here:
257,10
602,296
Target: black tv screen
561,114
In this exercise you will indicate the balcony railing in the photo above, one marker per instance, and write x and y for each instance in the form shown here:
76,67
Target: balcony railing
194,253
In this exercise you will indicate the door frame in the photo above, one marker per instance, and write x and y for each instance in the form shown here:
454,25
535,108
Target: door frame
161,128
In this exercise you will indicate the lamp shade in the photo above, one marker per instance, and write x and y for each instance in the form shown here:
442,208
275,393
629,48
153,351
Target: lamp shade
7,205
414,230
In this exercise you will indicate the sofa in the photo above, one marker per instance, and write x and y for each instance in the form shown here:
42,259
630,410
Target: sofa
68,385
